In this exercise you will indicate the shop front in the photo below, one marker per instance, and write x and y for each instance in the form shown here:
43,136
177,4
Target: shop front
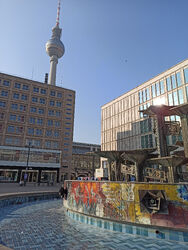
39,165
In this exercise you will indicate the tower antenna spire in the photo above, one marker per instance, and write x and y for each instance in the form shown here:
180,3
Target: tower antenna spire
58,12
55,48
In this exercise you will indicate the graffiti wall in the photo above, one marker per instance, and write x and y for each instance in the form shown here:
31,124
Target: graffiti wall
152,204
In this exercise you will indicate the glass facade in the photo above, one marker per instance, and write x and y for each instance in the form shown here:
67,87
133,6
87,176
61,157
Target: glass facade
168,84
153,91
178,78
186,75
170,99
175,98
162,87
173,79
180,96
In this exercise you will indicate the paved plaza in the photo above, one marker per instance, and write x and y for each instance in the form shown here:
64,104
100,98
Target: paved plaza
44,225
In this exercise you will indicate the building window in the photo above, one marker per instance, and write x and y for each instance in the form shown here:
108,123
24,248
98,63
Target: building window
67,123
17,85
34,99
4,93
52,103
10,129
41,111
58,104
50,122
42,101
144,95
1,116
68,118
147,94
168,84
68,109
25,87
6,83
19,130
186,75
14,106
67,133
175,98
170,100
43,91
162,87
51,112
8,140
55,144
48,132
173,78
57,123
157,88
32,120
187,92
59,94
37,143
180,96
178,79
30,131
58,113
12,117
22,108
2,104
52,93
48,144
39,121
56,133
21,118
38,131
24,97
33,110
69,104
35,90
140,97
153,91
16,96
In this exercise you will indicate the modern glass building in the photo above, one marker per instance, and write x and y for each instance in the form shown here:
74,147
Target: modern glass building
123,127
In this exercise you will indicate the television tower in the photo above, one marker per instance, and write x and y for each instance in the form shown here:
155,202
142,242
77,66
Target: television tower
55,48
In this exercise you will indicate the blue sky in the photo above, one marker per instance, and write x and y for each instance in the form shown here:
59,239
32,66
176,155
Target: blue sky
111,46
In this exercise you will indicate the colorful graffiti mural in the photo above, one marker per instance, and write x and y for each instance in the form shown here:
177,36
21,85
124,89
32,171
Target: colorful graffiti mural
142,203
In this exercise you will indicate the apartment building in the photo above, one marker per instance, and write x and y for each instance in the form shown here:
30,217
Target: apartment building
123,127
36,130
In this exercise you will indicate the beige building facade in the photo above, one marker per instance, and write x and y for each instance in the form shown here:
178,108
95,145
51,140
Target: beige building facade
84,159
123,127
36,129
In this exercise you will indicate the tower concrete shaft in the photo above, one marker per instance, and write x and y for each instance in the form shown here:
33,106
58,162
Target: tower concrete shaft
55,49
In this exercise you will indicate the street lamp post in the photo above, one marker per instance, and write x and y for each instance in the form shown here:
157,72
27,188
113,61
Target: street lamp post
28,154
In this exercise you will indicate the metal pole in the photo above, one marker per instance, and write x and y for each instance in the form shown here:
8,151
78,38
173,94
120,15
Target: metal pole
93,166
29,147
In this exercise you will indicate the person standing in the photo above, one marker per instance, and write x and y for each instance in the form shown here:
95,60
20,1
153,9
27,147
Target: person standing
25,179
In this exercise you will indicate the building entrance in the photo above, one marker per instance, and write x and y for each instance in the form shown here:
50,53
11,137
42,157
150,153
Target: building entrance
32,175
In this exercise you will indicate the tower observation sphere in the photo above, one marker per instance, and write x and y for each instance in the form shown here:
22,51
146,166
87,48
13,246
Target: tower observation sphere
55,49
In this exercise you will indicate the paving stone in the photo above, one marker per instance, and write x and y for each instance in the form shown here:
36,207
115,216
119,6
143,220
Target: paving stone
44,225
